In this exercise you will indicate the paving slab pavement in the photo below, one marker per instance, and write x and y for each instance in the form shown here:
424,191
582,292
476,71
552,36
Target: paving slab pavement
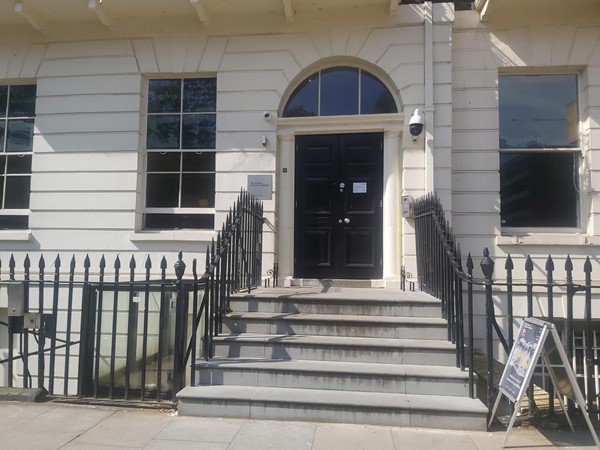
55,426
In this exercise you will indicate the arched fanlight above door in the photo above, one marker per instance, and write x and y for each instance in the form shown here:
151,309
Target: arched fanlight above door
340,91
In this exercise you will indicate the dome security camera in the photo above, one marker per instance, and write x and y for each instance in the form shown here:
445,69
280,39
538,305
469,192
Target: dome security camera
415,125
266,114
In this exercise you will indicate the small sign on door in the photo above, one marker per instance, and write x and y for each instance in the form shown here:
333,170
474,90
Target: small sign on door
359,188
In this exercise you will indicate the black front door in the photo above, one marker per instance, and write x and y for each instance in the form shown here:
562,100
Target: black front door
338,215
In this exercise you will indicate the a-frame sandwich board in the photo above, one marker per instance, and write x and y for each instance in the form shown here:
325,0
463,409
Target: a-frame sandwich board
536,339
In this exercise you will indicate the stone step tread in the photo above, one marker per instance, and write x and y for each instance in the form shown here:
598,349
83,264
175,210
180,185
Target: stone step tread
346,341
340,318
335,368
348,399
366,295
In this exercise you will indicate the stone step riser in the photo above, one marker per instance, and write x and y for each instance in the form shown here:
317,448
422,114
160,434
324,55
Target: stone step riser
416,356
324,307
353,329
333,381
400,417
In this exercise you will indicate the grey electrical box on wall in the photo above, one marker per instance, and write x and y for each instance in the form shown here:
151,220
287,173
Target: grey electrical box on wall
16,299
407,206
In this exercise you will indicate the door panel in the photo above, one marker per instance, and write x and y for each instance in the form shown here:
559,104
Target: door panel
338,214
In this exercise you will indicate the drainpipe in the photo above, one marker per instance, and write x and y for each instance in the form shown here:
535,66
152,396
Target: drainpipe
429,108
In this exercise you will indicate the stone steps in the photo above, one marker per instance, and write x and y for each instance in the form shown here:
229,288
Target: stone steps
369,356
336,325
336,348
402,305
267,403
334,375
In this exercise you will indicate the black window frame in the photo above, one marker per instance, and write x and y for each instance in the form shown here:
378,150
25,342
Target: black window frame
15,164
171,167
540,186
321,104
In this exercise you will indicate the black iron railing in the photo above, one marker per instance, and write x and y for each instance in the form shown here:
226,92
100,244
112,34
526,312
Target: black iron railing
441,274
129,335
233,263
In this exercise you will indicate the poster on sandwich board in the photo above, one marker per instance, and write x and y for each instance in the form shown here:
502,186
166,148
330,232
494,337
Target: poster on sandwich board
536,339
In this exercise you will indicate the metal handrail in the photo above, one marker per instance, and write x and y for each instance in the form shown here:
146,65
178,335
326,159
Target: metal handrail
441,274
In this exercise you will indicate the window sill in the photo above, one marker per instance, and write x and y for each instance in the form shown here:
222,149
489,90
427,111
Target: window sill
558,239
173,236
15,235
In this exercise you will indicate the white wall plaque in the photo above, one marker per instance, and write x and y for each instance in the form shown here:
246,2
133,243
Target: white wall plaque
261,186
359,188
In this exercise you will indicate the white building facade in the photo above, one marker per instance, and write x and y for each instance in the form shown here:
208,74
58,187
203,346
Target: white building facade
130,127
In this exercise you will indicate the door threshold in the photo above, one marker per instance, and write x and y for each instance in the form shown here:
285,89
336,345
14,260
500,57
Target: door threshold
312,282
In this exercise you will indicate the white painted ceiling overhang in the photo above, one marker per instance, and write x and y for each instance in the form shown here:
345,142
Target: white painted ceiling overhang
40,13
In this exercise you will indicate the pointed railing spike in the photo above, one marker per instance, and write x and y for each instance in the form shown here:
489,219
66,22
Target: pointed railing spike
549,264
587,265
568,263
528,264
508,265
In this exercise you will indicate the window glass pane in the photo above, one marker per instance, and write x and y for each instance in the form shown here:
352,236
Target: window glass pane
199,131
162,190
17,164
163,132
375,98
200,95
2,126
178,221
538,189
198,162
198,190
304,101
19,135
14,222
22,101
339,92
17,192
3,99
164,162
164,96
538,111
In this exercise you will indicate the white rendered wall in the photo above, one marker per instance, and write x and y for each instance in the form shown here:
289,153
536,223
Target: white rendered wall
88,165
479,52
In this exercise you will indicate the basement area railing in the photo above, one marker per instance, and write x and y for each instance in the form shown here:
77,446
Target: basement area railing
93,332
484,303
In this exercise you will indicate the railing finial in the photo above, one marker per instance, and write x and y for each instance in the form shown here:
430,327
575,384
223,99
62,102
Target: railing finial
179,268
487,264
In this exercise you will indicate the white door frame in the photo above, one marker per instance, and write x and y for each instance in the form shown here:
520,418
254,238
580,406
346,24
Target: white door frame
391,125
